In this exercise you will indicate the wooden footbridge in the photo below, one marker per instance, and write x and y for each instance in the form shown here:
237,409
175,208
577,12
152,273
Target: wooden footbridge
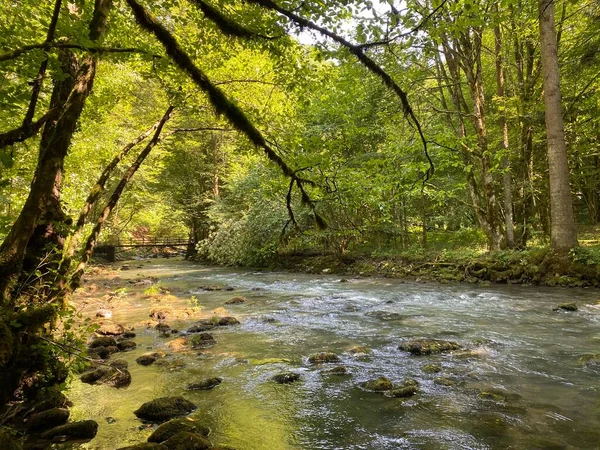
109,249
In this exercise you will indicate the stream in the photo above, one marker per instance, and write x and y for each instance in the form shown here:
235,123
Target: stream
521,384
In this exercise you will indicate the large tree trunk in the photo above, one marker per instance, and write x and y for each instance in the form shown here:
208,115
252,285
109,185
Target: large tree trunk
562,223
37,237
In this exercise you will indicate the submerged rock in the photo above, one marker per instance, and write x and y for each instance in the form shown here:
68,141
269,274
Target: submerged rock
145,360
202,325
286,377
85,429
566,307
428,346
403,392
164,408
187,441
48,419
162,327
378,385
120,364
236,300
205,385
175,426
359,351
323,357
432,368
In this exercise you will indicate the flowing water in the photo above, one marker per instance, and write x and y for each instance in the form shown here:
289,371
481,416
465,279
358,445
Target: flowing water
522,385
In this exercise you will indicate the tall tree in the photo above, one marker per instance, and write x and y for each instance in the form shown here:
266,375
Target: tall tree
563,233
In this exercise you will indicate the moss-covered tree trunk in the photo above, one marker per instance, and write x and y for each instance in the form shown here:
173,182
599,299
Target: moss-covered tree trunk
36,239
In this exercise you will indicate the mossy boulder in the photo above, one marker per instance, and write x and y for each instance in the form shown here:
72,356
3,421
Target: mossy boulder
126,345
175,426
337,370
236,300
109,376
571,307
202,340
226,321
432,368
85,429
428,346
120,364
445,381
286,378
49,398
403,392
145,360
205,385
323,357
48,419
99,352
164,408
104,341
380,384
162,327
187,441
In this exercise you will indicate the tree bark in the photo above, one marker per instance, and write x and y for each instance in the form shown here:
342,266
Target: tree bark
562,223
505,161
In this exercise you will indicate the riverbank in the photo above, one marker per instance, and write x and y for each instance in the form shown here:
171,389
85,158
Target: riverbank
536,266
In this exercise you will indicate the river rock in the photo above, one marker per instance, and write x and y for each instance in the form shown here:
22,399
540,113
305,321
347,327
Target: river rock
48,419
225,321
104,341
101,352
161,313
337,370
162,327
164,408
109,376
205,385
85,429
145,360
126,345
201,326
128,334
236,300
428,346
51,398
202,340
187,441
409,388
175,426
323,357
566,307
378,385
104,313
120,364
110,329
286,377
